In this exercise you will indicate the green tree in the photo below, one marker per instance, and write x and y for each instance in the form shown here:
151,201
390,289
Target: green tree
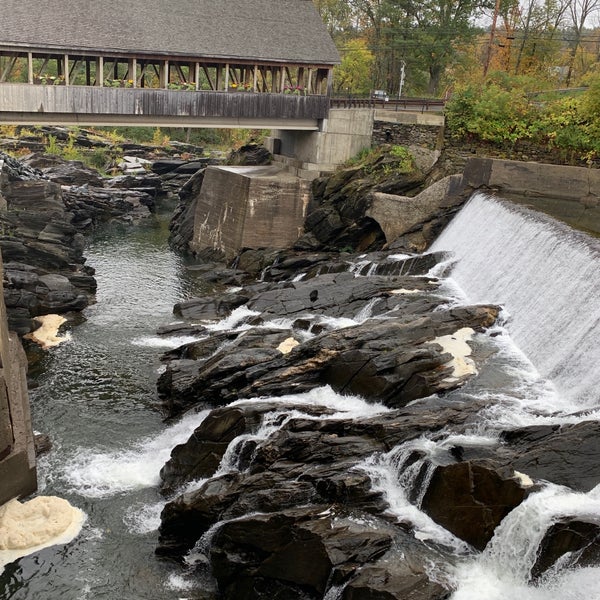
353,76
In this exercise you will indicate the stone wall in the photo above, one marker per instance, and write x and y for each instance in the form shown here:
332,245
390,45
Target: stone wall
17,453
405,134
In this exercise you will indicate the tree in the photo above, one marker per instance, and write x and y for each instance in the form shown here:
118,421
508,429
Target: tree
579,11
440,27
354,74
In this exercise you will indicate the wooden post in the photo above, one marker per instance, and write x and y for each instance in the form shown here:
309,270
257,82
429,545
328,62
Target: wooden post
255,78
132,71
309,85
30,67
66,69
226,77
88,72
100,71
329,82
164,74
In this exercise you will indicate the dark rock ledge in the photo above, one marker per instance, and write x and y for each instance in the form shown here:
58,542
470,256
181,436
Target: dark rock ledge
295,514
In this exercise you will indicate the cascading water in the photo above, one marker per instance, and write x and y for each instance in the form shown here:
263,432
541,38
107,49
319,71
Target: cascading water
95,403
546,276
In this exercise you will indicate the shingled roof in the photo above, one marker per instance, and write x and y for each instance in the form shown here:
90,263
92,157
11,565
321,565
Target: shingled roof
288,31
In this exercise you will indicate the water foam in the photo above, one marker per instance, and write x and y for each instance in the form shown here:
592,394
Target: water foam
102,474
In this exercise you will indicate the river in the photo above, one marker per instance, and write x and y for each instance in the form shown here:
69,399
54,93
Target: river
95,396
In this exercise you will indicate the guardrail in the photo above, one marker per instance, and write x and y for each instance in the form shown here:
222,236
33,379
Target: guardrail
413,104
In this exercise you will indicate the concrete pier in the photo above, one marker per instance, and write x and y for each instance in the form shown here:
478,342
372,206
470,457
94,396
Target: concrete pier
249,207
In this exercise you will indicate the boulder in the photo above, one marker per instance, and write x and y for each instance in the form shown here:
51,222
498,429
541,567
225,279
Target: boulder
470,499
297,552
573,542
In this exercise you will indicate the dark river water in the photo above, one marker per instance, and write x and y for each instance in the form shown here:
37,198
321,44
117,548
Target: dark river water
96,398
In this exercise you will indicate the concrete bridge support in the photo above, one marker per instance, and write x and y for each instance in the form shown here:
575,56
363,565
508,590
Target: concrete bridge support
308,154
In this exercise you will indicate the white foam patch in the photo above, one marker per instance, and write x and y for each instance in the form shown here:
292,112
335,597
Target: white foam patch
47,334
456,345
101,474
44,521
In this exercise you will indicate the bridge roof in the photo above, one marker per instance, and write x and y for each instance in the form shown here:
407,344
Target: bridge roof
287,31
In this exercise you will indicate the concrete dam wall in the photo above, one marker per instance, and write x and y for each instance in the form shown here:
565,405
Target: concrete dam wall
571,194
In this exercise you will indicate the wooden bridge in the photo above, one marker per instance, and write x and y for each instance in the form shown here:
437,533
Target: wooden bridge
198,63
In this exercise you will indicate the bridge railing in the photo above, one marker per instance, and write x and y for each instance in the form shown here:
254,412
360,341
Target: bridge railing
89,104
412,104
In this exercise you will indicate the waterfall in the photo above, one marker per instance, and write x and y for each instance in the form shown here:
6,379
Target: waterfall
546,277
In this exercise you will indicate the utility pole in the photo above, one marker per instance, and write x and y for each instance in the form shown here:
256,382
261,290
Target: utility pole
402,68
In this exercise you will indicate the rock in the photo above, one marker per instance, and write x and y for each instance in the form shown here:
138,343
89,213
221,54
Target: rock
74,173
470,499
209,308
395,581
576,541
181,226
201,454
567,456
250,155
295,552
43,444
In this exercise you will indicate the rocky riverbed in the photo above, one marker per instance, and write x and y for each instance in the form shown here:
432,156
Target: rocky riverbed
345,452
49,204
276,489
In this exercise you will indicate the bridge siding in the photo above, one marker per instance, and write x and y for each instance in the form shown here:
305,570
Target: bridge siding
83,100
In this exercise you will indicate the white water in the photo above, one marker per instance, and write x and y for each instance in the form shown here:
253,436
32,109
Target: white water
547,278
98,474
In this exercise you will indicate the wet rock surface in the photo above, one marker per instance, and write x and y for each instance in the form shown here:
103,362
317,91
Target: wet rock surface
270,477
47,205
260,454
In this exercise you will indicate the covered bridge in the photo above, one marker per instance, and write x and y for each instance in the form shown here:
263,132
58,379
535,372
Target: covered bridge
274,47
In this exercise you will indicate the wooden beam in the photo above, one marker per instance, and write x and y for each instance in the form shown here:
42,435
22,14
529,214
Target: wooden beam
66,68
213,86
100,71
8,69
227,77
309,84
255,78
197,75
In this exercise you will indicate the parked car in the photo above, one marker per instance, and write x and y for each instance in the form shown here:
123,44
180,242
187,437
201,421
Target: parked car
380,95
